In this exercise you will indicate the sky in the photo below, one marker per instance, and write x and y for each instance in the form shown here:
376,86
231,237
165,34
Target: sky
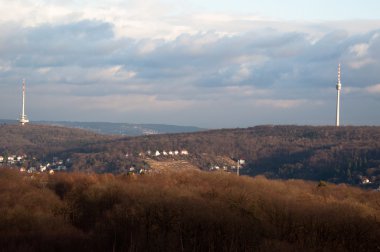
213,64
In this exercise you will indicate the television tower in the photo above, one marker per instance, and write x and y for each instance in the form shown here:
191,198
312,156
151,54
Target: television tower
23,118
338,88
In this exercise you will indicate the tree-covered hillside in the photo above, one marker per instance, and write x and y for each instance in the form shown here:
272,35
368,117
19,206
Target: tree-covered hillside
183,211
41,140
344,154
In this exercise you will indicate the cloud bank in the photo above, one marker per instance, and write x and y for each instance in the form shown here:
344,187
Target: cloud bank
150,62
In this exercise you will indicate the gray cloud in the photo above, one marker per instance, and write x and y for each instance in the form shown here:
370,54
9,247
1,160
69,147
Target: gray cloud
85,71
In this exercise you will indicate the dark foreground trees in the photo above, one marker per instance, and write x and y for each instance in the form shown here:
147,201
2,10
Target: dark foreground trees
184,211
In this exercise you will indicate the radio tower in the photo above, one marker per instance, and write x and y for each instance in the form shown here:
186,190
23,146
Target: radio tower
23,118
338,88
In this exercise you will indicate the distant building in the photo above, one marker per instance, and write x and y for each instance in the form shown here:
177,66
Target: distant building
11,159
1,159
61,168
171,153
241,161
164,153
43,168
32,170
157,153
365,181
184,152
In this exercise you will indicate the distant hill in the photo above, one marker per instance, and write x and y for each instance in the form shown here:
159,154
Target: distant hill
344,154
127,129
42,140
340,155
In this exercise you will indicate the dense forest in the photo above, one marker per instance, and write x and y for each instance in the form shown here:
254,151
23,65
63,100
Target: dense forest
346,154
41,140
183,211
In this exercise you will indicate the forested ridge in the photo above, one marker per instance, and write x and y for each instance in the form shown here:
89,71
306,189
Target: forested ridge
345,154
41,140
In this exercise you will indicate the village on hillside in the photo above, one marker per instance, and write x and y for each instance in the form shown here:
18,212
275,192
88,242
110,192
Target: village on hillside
32,164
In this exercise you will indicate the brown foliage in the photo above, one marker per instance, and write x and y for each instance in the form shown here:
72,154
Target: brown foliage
183,211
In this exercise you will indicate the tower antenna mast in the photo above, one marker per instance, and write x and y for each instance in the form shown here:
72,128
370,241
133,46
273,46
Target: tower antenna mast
23,118
338,88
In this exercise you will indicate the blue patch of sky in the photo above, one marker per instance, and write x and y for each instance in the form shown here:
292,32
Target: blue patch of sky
296,9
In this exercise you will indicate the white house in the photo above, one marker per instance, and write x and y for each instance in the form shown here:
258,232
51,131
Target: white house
1,159
365,181
157,153
184,152
43,168
171,153
32,169
11,159
164,153
176,152
61,168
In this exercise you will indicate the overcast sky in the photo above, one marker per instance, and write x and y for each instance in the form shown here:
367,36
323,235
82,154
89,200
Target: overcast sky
205,63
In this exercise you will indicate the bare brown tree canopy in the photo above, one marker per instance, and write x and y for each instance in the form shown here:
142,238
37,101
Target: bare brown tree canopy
183,211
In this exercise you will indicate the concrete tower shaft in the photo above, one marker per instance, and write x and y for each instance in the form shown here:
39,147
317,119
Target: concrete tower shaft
23,118
338,88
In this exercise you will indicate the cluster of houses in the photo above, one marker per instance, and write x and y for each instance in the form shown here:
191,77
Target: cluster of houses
240,163
12,159
158,153
21,162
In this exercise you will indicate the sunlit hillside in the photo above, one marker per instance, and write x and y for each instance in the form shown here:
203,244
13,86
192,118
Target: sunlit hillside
183,211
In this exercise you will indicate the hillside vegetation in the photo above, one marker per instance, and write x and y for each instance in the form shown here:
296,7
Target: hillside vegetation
343,154
183,211
41,140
